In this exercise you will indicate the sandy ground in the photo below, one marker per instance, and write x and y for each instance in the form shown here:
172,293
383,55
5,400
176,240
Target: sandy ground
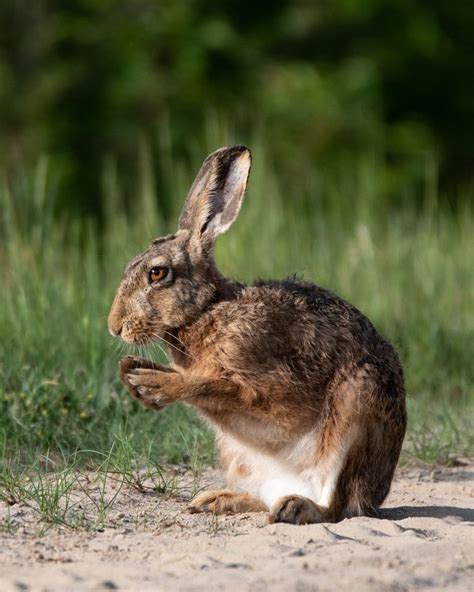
423,540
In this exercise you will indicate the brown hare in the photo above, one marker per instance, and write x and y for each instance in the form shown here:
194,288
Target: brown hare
306,398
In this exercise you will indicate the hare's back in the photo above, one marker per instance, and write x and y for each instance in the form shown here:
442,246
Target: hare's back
297,324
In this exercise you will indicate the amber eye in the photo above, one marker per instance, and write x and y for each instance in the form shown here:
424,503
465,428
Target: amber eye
157,274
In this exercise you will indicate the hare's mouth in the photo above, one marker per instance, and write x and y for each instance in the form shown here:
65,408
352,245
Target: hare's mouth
140,338
134,335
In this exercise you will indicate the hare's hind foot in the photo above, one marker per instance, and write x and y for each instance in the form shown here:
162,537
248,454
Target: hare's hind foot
297,509
224,501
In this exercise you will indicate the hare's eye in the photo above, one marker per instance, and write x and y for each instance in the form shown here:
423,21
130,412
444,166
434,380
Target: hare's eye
157,274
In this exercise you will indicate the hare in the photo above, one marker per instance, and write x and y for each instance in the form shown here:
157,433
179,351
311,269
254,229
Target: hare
307,400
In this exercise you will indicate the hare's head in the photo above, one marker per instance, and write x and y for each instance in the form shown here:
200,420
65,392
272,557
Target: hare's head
174,280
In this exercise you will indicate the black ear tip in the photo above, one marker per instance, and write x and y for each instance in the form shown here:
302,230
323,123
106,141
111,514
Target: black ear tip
232,152
239,149
227,154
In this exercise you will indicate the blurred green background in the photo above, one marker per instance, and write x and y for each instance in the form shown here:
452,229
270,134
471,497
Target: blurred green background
360,116
327,79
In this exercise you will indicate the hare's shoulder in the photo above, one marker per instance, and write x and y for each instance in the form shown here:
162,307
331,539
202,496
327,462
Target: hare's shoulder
271,319
292,317
264,303
315,298
291,296
281,305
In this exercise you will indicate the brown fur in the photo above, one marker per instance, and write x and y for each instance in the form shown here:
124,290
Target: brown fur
265,364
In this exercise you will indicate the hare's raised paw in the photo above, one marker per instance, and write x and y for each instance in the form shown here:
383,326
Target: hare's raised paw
154,388
130,365
296,509
224,501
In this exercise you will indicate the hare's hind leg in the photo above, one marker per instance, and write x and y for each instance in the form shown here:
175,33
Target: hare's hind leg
366,457
297,509
224,501
366,479
323,479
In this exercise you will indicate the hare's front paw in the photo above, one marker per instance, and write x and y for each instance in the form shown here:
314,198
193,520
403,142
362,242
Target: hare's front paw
131,364
154,388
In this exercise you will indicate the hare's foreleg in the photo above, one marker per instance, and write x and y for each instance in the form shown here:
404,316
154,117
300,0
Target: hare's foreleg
156,388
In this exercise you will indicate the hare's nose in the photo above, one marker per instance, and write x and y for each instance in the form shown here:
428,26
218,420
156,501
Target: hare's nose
115,324
116,317
115,332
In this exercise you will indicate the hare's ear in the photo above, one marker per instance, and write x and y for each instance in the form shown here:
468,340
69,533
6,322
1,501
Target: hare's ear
215,197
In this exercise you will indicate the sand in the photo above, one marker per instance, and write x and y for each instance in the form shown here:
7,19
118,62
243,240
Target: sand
423,540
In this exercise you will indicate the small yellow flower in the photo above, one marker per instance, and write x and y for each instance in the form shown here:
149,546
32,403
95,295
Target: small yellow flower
83,414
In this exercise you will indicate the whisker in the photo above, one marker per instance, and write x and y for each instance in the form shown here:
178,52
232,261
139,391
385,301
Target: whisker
158,344
118,346
182,351
185,353
144,347
163,351
175,337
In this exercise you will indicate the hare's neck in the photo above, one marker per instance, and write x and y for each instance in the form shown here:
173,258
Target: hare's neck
184,341
225,289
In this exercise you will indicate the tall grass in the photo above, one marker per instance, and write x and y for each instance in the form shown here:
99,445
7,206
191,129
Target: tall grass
409,268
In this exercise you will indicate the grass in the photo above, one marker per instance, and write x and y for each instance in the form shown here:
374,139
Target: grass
62,408
76,493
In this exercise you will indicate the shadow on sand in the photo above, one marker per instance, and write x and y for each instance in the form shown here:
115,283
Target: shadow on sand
403,512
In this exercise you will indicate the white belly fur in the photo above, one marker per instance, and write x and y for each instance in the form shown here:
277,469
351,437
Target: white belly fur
270,478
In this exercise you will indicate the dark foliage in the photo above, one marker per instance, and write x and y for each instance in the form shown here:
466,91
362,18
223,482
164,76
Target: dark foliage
86,79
